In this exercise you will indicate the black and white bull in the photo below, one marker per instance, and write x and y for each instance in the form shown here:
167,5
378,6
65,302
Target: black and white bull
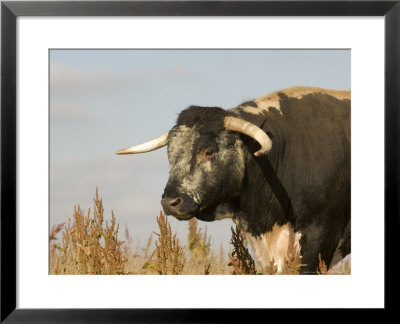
278,165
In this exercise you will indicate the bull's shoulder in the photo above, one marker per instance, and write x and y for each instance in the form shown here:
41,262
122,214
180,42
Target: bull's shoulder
273,100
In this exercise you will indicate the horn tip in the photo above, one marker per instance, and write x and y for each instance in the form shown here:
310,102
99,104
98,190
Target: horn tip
261,152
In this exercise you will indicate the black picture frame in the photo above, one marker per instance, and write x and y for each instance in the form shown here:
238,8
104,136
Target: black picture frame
10,10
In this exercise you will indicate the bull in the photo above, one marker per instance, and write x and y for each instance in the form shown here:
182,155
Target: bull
278,165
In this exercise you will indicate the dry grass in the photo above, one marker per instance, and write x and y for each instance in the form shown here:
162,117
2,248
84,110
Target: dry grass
199,249
137,256
90,245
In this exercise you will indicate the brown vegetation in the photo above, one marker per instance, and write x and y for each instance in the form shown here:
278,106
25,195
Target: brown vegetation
90,245
241,260
322,269
293,263
199,248
168,256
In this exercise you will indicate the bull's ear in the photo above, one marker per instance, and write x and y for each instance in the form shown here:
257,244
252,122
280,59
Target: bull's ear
146,147
242,126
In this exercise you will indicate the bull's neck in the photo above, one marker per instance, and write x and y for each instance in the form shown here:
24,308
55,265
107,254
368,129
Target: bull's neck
263,199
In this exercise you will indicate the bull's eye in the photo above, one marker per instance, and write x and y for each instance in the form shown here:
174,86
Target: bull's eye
210,152
206,155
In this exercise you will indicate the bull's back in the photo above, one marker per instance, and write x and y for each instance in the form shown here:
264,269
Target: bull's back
310,131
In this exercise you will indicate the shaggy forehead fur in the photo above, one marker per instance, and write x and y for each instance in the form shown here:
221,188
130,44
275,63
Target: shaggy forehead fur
208,119
196,128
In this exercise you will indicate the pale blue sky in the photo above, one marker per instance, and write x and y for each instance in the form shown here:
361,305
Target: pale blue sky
105,100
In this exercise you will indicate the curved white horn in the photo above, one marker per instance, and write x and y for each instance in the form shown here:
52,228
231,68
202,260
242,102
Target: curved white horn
249,129
146,147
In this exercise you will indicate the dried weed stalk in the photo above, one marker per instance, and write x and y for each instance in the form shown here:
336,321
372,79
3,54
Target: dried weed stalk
272,268
89,246
199,246
55,230
241,260
293,262
322,268
55,247
169,255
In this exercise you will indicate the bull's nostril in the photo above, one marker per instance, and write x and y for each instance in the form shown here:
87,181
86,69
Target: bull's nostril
175,202
172,206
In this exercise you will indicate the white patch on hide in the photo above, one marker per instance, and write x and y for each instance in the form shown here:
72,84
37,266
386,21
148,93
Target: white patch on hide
342,267
275,245
272,100
337,256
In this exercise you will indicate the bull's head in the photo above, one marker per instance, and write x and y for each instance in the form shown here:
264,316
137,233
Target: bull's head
207,161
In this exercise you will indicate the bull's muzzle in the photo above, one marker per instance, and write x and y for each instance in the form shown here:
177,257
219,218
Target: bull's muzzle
173,206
